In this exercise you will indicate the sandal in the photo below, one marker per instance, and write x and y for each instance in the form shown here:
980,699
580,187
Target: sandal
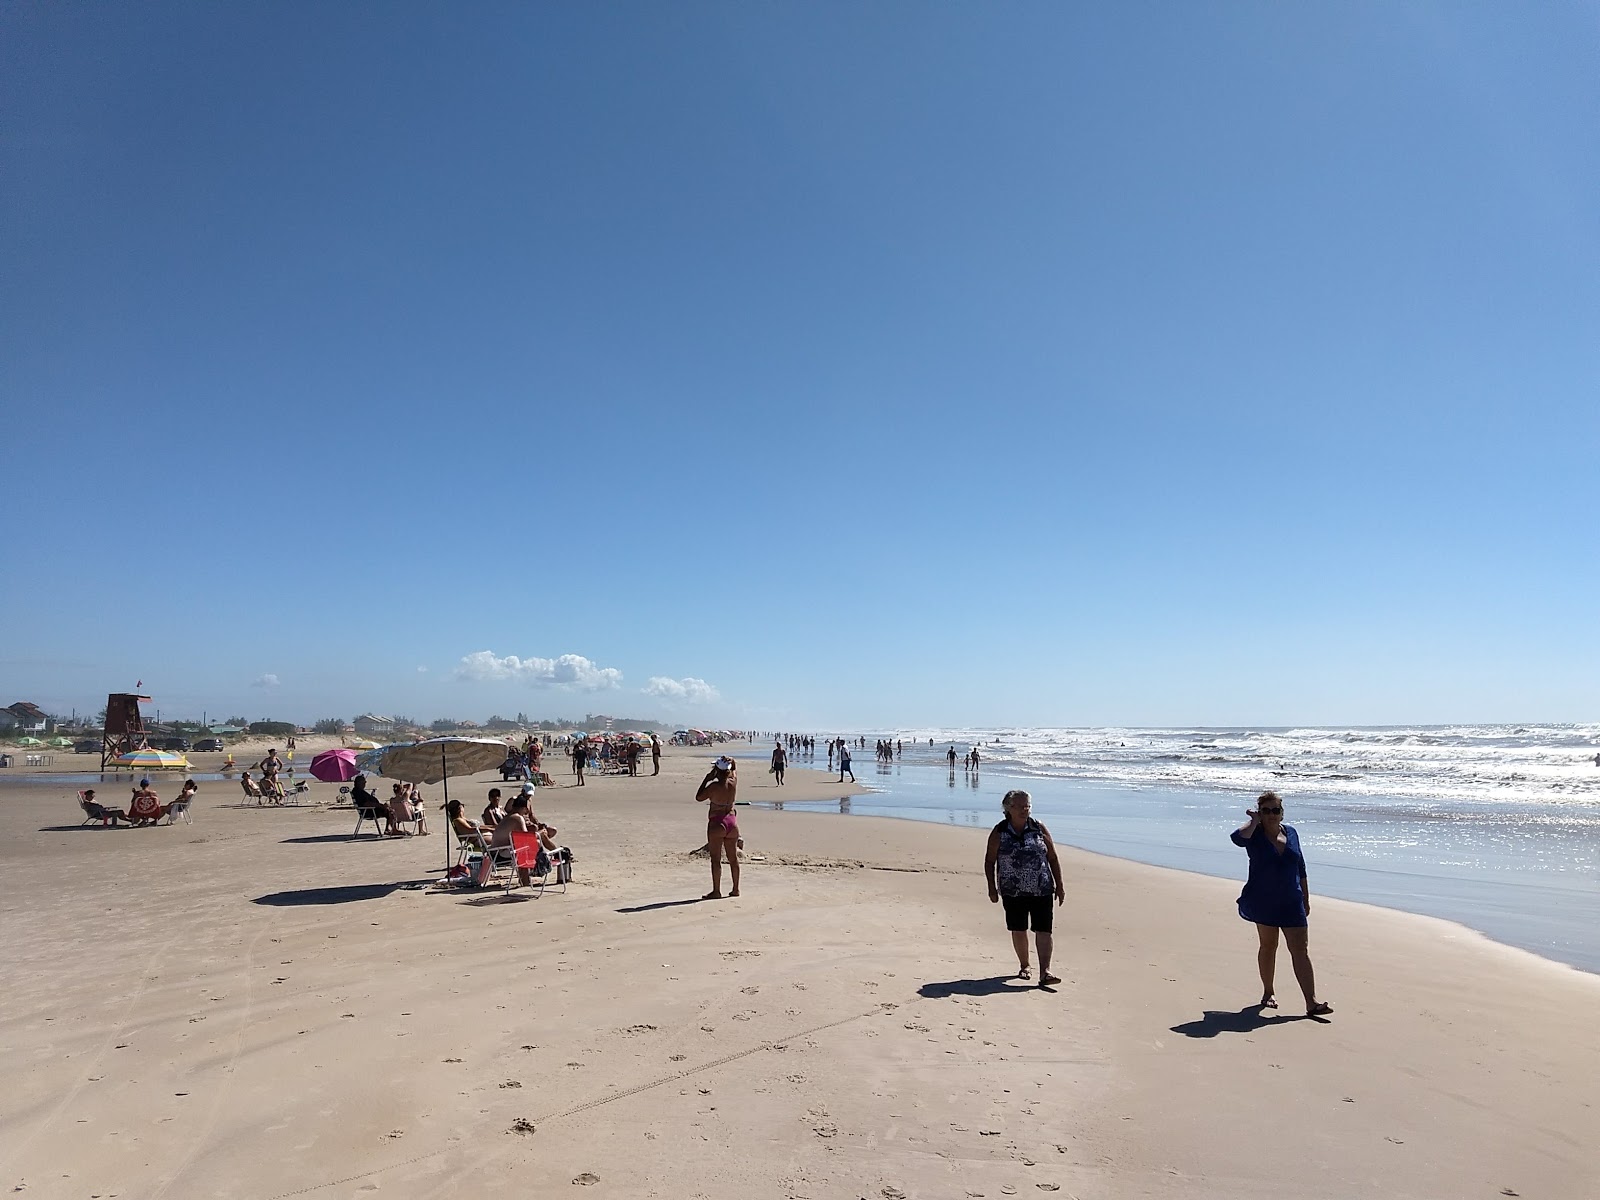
1046,979
1319,1009
1025,973
1267,1001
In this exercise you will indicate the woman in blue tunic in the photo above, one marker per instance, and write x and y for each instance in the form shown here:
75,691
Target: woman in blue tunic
1277,898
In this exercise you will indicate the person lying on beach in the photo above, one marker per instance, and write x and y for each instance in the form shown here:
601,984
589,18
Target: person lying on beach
719,791
145,808
1021,866
100,811
1277,898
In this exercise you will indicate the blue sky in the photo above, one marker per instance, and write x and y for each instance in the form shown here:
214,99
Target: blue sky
804,366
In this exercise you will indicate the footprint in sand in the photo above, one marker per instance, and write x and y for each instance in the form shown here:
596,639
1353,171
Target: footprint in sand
586,1179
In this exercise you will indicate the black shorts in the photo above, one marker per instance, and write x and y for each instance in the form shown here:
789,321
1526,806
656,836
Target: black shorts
1019,909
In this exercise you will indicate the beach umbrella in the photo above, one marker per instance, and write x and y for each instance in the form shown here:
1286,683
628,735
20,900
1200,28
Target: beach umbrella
334,766
361,744
152,760
434,761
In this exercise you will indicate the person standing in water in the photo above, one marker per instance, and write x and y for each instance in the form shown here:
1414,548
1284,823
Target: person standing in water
719,791
1277,898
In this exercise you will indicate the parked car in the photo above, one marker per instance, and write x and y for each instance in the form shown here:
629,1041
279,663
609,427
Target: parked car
87,746
176,745
209,745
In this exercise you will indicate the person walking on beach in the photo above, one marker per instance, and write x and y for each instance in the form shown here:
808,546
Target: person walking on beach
655,755
780,759
844,763
1022,870
1277,898
719,790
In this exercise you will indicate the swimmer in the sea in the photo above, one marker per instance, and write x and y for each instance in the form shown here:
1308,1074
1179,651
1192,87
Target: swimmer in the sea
718,790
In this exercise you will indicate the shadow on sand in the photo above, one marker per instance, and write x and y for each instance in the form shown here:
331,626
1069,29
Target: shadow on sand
639,908
349,894
328,837
1246,1020
977,987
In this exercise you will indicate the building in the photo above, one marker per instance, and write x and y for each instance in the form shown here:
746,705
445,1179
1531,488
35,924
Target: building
23,717
371,724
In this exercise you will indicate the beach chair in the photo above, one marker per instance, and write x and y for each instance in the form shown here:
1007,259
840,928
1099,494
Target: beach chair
94,811
365,813
540,864
179,808
475,857
300,789
250,788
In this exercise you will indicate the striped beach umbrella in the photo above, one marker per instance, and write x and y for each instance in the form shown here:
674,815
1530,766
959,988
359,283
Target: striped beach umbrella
152,760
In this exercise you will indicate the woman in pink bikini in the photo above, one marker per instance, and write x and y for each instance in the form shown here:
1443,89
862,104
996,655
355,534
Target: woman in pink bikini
722,829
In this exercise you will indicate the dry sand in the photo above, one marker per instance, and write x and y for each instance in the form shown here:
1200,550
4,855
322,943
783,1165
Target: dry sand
256,1006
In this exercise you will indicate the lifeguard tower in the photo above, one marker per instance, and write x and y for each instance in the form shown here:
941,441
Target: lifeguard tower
124,731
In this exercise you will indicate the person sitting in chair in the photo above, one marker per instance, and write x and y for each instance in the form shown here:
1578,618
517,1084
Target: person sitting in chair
465,828
520,819
404,810
249,786
370,807
100,811
185,797
494,813
145,808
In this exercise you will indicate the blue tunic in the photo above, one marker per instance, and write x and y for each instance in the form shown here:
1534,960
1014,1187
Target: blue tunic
1272,895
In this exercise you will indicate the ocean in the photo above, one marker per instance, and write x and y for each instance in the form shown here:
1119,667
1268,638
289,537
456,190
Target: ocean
1496,827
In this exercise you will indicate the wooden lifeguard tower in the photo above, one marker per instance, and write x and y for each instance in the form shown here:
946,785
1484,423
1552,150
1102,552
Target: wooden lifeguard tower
124,729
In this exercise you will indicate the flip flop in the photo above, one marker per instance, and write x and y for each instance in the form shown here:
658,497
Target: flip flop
1319,1009
1025,973
1046,979
1268,1002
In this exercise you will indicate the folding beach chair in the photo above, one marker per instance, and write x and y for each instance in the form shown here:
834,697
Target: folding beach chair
93,811
179,808
540,863
365,813
478,864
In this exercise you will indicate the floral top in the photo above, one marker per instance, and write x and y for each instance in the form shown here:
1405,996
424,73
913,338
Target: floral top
1023,866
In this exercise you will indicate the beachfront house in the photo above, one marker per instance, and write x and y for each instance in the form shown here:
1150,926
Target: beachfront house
371,725
23,717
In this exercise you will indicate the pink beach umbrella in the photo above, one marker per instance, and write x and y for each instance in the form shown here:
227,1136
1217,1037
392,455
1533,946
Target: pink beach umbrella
334,766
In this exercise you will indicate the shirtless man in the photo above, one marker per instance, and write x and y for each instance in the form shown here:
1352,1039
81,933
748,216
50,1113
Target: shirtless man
718,790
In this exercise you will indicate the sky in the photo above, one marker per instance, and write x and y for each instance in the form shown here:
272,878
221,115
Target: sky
803,366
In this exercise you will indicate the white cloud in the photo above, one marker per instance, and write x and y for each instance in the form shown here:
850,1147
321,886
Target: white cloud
570,670
688,688
265,681
422,670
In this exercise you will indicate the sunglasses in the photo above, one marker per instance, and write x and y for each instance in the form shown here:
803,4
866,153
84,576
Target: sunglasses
1266,809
